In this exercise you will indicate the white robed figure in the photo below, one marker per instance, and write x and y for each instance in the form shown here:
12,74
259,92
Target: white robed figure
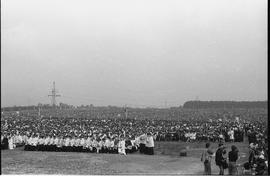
11,144
231,134
122,147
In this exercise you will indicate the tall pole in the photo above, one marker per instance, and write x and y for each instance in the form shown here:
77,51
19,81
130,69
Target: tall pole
53,95
126,111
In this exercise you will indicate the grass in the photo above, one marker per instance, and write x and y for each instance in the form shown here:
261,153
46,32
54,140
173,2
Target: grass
166,160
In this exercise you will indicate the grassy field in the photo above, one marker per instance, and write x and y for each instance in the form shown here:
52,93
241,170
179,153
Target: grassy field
165,161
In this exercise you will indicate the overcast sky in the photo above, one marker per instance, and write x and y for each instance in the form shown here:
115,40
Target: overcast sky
134,52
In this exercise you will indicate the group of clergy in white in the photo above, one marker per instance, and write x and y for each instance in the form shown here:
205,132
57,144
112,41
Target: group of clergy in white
86,143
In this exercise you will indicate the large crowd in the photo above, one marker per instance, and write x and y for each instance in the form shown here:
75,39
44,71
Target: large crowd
205,127
55,131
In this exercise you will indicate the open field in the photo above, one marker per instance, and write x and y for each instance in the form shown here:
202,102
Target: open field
165,161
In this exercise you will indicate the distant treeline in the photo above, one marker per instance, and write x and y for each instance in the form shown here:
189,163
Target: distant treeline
187,105
225,104
36,107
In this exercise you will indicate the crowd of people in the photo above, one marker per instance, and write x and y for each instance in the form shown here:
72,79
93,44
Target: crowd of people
78,133
18,127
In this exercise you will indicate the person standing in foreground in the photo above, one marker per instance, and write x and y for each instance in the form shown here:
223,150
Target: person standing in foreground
206,159
220,159
233,156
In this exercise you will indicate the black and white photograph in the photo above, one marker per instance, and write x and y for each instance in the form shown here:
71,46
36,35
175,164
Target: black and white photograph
134,87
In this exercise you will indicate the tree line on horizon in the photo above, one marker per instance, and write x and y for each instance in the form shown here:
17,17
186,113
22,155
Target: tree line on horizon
187,105
225,104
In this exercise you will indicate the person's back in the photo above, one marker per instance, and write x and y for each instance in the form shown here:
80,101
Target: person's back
218,156
233,157
206,159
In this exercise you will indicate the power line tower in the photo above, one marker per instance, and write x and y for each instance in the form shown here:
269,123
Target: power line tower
54,95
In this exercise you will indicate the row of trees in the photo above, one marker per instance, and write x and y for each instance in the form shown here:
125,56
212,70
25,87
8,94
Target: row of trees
188,105
225,104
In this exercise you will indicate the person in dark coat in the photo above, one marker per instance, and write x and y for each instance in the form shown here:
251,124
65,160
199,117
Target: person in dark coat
5,143
128,146
220,159
233,157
